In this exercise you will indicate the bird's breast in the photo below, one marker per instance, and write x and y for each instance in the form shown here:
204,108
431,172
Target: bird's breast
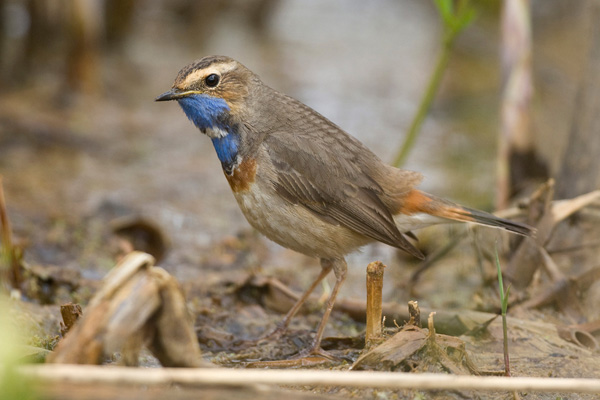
290,225
243,176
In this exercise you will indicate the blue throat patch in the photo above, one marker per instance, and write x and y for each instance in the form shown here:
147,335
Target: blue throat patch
204,111
227,150
207,112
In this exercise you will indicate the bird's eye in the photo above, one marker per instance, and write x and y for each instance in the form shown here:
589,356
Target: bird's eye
212,80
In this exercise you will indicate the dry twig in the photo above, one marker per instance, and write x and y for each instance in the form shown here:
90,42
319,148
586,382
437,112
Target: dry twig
238,377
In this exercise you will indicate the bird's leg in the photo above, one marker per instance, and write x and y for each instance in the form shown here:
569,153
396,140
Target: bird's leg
282,327
340,269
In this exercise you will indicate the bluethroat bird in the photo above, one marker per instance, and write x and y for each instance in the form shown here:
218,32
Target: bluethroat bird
301,180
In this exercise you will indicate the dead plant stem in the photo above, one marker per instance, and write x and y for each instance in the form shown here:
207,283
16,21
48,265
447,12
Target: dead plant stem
87,374
9,264
374,302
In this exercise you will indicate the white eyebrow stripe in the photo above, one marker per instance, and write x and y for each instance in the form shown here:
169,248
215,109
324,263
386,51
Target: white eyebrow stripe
223,68
219,69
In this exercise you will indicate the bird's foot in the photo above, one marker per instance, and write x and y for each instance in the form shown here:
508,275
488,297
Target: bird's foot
315,352
273,335
306,358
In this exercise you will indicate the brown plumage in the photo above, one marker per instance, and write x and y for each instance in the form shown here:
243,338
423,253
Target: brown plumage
301,180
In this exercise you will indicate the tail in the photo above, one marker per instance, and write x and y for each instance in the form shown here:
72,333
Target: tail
419,202
465,214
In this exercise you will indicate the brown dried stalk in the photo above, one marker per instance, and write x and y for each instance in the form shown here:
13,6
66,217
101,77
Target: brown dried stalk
374,302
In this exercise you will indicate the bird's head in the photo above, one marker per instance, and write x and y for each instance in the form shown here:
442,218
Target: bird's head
211,91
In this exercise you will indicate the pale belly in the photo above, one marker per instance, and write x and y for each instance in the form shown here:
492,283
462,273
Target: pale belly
295,227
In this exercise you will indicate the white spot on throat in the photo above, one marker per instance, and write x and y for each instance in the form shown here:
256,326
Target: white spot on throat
236,164
216,133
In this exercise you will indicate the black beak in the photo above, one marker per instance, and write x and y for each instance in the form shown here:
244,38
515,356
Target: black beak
172,94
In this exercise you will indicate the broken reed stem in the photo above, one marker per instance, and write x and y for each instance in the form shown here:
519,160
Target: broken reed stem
414,313
9,264
70,314
431,325
374,302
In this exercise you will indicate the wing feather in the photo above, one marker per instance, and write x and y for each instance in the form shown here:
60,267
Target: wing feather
333,182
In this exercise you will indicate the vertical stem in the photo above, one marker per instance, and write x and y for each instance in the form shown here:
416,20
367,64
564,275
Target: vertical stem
515,138
374,302
9,262
504,306
432,88
505,335
414,313
70,314
454,23
4,222
580,167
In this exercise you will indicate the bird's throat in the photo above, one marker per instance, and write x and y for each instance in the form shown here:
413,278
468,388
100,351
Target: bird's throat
227,151
206,112
210,115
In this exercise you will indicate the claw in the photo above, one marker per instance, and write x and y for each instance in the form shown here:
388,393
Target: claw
315,352
305,358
